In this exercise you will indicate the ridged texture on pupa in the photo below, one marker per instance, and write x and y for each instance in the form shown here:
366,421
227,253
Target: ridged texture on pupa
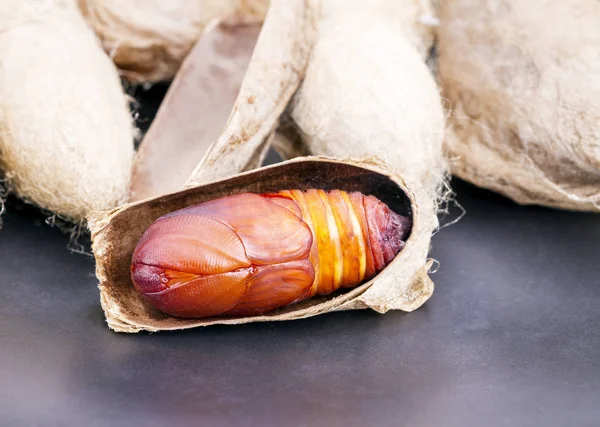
523,81
148,39
66,139
368,92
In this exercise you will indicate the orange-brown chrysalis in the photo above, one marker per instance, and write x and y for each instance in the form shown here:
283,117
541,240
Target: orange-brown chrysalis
252,253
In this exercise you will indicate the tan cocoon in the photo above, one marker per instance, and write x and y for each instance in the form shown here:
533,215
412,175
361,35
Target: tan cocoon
523,81
148,39
66,139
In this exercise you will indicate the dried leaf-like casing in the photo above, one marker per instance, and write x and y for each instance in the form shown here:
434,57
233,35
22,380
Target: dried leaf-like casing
276,69
523,81
116,233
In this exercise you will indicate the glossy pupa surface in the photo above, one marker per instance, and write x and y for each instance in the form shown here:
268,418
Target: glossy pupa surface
251,253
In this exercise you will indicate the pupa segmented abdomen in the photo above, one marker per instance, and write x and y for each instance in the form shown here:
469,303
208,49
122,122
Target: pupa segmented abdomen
249,253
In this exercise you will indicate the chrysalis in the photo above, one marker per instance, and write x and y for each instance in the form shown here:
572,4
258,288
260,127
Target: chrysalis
249,253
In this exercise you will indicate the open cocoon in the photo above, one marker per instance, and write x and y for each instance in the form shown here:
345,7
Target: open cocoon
523,81
66,139
366,100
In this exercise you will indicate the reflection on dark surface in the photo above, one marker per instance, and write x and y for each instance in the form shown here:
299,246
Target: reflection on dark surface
510,337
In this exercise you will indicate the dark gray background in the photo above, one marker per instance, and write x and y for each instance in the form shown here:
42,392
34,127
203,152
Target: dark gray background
511,337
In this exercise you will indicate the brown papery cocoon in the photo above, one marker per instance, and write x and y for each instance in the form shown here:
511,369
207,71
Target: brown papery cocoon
116,234
393,112
149,39
66,134
523,81
195,109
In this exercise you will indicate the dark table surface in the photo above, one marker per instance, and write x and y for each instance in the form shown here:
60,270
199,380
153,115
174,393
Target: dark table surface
511,337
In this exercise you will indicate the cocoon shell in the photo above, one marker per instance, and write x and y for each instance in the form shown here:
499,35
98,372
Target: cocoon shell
523,81
66,141
116,234
386,107
148,39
